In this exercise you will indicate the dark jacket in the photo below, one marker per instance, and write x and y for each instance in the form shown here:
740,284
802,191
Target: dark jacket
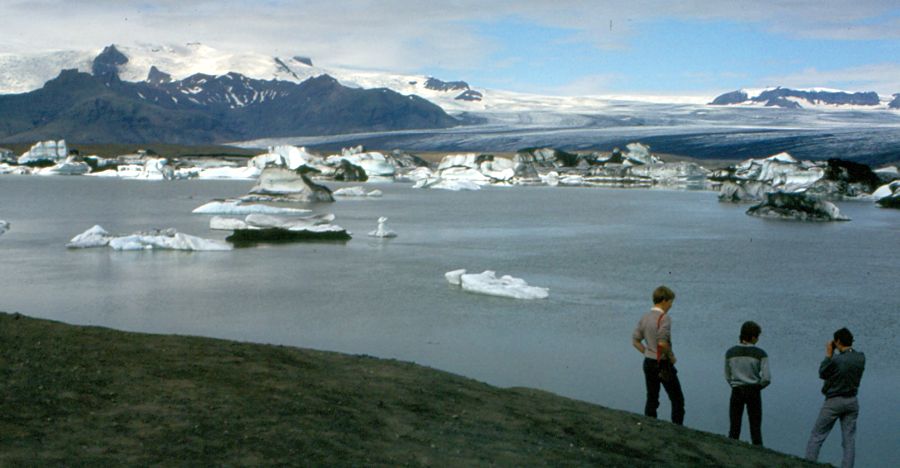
842,373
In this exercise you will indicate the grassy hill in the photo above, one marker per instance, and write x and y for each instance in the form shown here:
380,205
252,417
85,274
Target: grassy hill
89,396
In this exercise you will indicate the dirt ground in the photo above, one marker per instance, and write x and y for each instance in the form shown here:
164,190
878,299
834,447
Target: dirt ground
88,396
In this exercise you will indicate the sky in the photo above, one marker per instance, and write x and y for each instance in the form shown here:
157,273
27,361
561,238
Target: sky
558,47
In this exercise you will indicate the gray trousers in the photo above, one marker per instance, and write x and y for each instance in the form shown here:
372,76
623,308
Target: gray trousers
844,408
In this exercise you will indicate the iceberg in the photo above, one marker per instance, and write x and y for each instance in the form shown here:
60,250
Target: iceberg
288,156
262,221
888,196
290,185
381,231
373,163
238,207
481,169
44,151
357,192
72,165
796,206
166,239
488,283
15,170
4,226
453,185
230,173
151,169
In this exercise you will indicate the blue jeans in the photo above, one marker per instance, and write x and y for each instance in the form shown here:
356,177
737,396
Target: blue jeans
844,408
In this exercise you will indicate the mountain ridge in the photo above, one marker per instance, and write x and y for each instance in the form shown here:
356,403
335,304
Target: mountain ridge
201,108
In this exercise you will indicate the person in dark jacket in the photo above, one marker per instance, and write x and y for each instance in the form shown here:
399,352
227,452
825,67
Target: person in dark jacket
747,371
842,373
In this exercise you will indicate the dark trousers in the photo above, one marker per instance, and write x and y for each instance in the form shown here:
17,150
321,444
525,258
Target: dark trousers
749,396
673,390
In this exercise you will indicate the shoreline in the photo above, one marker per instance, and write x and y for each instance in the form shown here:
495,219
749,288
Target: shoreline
92,395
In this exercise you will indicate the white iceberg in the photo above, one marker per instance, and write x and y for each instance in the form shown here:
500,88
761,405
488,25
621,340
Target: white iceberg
49,150
357,192
488,283
72,165
381,231
262,221
167,239
4,226
373,163
453,185
93,237
230,173
237,207
289,156
886,190
15,170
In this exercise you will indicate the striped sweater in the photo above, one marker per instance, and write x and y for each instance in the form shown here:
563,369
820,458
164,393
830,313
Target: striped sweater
745,364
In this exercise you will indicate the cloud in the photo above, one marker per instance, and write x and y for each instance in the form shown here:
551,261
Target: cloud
411,35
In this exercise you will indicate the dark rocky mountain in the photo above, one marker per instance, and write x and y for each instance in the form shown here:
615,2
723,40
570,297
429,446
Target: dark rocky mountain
778,97
895,104
734,97
200,109
439,85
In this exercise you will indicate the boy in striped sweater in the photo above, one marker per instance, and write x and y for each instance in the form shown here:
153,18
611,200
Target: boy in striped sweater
747,371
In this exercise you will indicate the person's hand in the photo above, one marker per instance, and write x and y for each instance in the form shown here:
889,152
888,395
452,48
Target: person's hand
829,348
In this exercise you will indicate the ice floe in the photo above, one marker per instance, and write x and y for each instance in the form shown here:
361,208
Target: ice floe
357,192
487,283
263,221
45,151
381,231
239,207
4,226
289,185
165,239
71,165
796,206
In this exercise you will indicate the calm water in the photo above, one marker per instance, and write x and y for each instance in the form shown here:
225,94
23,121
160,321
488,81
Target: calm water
600,251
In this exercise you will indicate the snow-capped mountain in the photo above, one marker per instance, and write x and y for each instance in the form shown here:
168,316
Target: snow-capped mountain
788,98
100,106
163,64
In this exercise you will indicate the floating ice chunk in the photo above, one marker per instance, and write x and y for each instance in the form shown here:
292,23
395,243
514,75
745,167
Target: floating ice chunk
356,192
454,185
572,179
237,207
551,178
381,231
4,226
93,237
233,173
373,163
289,156
129,243
488,283
263,221
168,239
70,166
885,190
453,277
49,150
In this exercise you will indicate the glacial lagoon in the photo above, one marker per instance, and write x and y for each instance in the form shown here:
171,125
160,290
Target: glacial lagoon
599,251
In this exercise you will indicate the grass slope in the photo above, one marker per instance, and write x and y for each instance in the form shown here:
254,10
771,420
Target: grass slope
98,397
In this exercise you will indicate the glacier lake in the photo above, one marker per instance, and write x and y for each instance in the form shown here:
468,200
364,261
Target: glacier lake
599,251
